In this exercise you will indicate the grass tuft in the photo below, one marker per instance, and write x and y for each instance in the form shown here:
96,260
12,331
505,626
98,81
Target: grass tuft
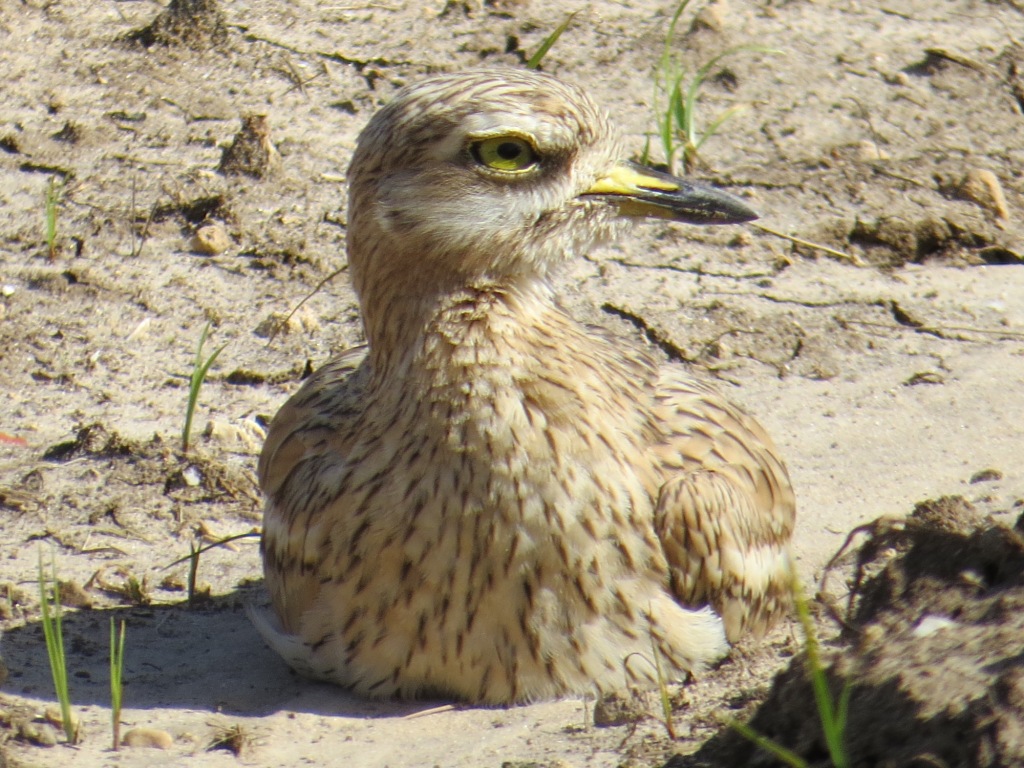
53,631
675,100
200,368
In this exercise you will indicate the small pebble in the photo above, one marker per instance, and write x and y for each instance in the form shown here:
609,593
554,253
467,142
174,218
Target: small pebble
40,734
192,476
280,323
154,738
712,17
245,436
929,625
868,151
141,330
53,716
211,239
618,708
982,187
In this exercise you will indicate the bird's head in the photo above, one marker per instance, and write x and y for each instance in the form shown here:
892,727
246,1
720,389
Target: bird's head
499,175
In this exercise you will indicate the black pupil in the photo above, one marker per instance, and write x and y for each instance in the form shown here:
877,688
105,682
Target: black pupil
509,150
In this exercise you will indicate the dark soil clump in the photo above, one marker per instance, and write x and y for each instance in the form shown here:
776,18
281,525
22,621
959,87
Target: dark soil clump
196,24
936,662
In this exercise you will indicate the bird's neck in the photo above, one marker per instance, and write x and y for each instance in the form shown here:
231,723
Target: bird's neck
418,331
498,362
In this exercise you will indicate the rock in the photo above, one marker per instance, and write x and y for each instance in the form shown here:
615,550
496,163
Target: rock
711,17
153,738
54,718
982,187
245,436
869,152
618,708
40,734
282,323
211,239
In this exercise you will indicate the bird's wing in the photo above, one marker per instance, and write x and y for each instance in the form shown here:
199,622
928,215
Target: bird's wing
726,512
299,466
330,394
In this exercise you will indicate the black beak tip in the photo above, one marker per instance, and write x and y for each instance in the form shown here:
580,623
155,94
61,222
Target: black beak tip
713,206
739,213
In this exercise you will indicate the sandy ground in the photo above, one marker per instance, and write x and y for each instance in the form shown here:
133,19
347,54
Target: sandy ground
891,132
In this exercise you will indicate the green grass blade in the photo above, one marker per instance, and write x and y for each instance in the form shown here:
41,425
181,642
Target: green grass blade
693,91
200,369
837,747
52,201
645,156
768,745
535,60
712,129
666,703
219,543
675,100
831,715
668,143
116,675
666,53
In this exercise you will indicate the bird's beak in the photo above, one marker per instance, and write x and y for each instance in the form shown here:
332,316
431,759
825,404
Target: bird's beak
644,192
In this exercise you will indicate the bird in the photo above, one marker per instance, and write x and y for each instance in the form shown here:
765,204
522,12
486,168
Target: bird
490,501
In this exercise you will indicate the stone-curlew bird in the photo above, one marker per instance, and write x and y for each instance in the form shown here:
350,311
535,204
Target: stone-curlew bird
490,500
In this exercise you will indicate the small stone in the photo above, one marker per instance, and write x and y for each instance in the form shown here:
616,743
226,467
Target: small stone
245,436
982,187
53,716
192,476
40,734
618,708
56,100
283,323
153,738
868,152
211,239
141,330
741,239
712,17
929,625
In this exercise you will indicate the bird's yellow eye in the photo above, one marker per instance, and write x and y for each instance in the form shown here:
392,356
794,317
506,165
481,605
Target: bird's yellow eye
505,153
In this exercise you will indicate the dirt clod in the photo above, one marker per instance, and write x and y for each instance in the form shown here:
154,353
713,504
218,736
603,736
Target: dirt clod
196,24
937,635
982,187
251,152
